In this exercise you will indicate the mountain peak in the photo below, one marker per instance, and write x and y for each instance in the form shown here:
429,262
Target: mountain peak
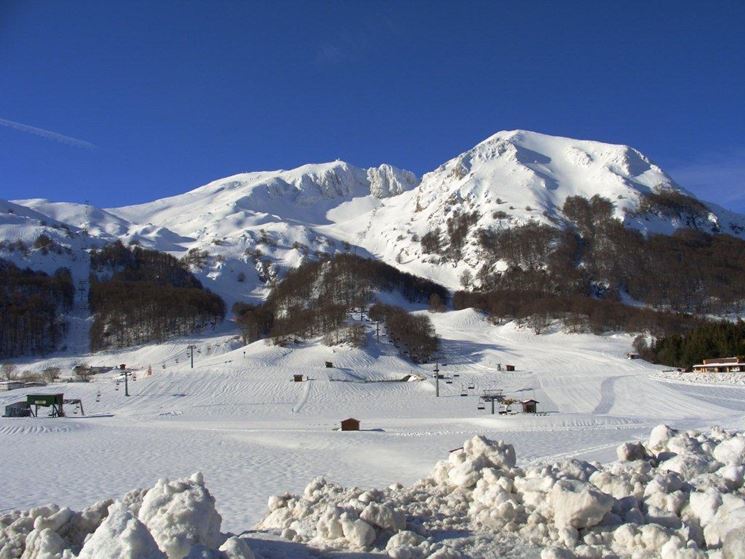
273,220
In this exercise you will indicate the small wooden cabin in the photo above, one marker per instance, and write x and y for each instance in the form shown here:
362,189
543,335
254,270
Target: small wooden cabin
329,364
530,406
721,365
509,367
297,378
18,409
350,424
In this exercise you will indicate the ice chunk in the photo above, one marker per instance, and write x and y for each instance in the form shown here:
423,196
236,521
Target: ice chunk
578,504
731,451
181,514
122,536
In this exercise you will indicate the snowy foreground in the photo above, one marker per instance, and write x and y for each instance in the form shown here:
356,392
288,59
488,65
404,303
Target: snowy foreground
254,434
678,495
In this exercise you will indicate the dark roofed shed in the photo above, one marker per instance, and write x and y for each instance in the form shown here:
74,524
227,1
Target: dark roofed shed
350,424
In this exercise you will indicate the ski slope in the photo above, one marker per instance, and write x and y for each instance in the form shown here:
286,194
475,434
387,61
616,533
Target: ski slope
237,417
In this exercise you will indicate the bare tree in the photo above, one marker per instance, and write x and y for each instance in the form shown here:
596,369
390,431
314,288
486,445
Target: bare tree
8,371
50,374
435,303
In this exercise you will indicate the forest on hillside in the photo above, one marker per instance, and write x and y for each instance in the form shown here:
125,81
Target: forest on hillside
32,305
708,341
140,295
315,299
595,255
578,313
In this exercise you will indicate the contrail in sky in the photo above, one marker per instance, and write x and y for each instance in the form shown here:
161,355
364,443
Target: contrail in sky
48,134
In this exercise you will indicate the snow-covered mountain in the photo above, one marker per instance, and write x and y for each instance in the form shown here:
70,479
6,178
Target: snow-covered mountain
515,177
255,226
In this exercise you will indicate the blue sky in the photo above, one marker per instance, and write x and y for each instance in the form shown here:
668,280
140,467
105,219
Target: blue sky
123,102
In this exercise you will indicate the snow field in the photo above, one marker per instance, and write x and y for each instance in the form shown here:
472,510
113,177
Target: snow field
239,419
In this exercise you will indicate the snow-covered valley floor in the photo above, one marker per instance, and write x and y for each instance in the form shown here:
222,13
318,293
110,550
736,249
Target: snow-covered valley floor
238,418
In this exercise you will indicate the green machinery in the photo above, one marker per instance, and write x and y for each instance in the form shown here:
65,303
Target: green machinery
53,401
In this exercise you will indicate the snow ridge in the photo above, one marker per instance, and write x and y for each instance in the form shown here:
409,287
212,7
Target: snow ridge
255,226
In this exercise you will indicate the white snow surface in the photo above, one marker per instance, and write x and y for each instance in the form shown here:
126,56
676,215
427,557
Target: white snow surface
238,418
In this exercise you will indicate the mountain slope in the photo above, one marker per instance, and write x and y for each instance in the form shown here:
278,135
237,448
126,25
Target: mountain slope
245,230
517,177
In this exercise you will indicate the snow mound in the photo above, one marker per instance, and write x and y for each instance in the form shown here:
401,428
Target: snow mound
181,514
121,535
173,520
678,495
736,379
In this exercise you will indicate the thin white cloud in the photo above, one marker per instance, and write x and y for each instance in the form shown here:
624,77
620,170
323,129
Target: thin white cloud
717,177
329,54
48,134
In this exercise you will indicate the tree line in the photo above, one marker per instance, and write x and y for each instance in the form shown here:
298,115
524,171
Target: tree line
139,295
708,341
315,298
579,313
414,335
32,305
597,256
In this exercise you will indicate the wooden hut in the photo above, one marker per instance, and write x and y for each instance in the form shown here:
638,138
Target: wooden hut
509,367
18,409
350,424
721,365
530,406
297,378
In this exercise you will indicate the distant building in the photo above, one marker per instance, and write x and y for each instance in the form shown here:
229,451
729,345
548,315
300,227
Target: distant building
530,406
18,409
297,378
350,424
11,385
721,365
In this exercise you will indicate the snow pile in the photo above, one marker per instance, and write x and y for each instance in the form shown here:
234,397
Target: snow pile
173,520
701,378
678,495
